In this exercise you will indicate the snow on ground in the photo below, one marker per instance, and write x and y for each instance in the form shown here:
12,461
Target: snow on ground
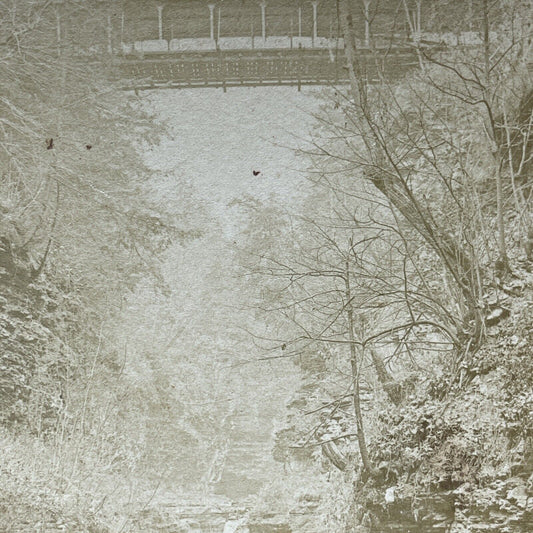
218,139
231,43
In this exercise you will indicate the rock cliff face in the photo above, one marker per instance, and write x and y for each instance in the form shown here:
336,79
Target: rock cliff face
462,461
247,465
499,503
503,507
433,512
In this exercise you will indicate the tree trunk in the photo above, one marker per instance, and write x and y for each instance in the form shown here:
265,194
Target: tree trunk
367,465
502,264
350,49
390,386
334,455
456,261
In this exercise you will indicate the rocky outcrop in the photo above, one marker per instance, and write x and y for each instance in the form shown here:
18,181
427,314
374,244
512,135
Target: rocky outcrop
504,506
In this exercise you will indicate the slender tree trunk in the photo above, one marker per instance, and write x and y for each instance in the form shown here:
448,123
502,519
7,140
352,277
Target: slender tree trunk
386,177
449,251
503,260
350,49
502,264
390,386
367,465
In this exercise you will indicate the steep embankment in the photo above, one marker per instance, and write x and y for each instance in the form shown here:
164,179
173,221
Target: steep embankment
463,451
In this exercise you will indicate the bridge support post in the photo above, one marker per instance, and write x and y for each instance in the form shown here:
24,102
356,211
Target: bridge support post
58,31
109,35
366,5
253,35
122,23
218,24
263,20
299,69
212,21
315,21
160,21
291,33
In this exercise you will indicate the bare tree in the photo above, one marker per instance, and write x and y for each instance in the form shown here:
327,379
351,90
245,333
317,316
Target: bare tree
407,148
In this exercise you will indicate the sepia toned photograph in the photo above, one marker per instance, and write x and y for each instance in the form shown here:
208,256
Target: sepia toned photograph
266,266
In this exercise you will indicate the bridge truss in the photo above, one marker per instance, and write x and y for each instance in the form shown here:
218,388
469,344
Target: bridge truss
252,68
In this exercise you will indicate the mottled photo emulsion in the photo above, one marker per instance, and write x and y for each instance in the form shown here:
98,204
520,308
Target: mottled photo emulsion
266,266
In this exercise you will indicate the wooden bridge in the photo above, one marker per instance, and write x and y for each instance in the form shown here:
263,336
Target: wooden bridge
252,68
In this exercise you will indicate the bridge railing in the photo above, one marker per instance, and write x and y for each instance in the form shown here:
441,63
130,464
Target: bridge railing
253,68
232,43
283,42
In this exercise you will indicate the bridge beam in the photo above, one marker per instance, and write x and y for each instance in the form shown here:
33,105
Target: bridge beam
278,68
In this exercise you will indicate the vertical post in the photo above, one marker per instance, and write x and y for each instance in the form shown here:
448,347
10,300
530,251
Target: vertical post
299,21
419,18
414,21
160,21
299,67
218,25
109,35
263,20
212,21
253,35
367,22
223,64
291,32
58,31
122,22
315,21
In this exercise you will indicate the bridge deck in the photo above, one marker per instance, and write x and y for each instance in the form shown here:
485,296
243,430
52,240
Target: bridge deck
254,68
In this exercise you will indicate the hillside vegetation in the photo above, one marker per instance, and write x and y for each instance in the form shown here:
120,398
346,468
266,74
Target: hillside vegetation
405,292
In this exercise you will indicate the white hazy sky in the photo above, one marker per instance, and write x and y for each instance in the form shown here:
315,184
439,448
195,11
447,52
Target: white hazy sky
217,139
